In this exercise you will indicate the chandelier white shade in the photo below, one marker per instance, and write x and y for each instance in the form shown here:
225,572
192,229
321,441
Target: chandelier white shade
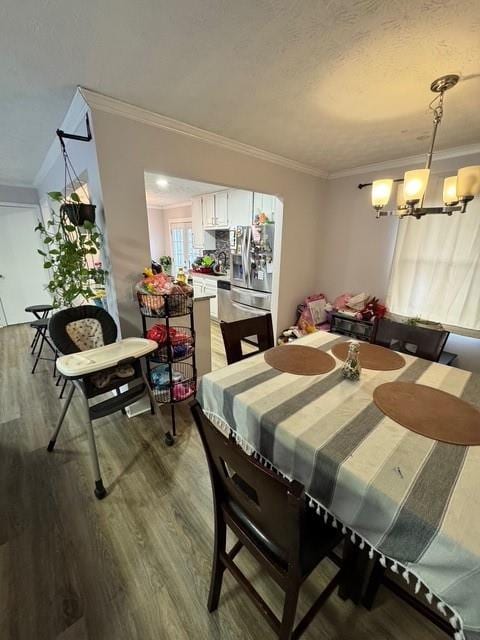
468,182
450,190
458,190
415,184
381,190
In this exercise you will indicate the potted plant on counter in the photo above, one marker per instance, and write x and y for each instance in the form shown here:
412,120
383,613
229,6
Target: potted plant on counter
166,262
69,253
203,265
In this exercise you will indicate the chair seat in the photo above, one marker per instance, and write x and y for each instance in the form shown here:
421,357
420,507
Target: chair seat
38,308
318,539
41,323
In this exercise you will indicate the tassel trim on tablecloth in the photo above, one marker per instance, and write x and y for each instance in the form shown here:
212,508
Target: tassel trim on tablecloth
447,611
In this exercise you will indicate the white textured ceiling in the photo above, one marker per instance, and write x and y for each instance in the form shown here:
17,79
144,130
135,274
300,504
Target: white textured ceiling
330,83
177,191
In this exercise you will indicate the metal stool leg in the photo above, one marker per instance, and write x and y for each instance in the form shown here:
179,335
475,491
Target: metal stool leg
53,439
100,491
63,388
34,342
42,331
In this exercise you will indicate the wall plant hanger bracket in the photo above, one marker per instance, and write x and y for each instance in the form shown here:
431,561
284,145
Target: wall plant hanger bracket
73,136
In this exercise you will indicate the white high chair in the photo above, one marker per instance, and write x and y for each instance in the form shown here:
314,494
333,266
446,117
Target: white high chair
96,364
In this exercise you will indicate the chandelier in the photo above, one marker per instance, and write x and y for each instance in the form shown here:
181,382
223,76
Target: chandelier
458,190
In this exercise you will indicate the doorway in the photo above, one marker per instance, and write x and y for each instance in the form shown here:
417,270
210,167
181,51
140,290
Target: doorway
22,276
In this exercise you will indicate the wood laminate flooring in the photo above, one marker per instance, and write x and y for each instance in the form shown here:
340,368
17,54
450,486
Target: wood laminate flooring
135,566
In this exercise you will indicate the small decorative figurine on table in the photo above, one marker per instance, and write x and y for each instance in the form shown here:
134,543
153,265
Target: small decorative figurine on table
352,368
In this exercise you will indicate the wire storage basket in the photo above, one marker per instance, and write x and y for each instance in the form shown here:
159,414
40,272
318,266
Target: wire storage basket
174,383
165,305
171,369
174,346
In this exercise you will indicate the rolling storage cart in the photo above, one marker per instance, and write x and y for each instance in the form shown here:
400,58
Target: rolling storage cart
171,369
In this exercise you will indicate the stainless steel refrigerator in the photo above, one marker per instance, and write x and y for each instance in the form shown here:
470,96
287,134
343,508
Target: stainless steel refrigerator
251,272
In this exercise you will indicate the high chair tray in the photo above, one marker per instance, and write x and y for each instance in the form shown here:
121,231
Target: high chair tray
82,363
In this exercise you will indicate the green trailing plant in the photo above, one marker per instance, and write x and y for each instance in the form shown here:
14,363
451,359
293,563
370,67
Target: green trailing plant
69,254
166,262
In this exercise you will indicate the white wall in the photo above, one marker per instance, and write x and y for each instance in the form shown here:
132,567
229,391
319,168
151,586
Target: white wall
18,195
357,249
84,159
159,230
127,148
156,233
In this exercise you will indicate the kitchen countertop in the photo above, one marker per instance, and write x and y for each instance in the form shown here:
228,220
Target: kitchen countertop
201,298
223,276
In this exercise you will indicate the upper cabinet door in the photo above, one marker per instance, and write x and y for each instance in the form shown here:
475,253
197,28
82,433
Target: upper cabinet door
240,208
267,204
197,223
208,204
221,209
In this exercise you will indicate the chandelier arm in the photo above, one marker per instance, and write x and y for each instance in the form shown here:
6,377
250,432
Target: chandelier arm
361,185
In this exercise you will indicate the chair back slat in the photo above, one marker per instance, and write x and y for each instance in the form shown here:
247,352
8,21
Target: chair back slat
259,327
418,341
273,504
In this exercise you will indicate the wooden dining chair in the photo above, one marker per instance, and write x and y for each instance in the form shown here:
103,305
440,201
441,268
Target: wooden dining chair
270,518
416,341
233,333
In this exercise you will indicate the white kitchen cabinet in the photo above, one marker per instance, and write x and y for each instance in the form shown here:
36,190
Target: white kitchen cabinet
240,208
197,223
197,288
221,209
265,203
206,286
208,209
211,290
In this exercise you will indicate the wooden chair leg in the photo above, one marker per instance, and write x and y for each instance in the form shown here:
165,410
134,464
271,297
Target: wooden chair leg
218,568
373,585
289,611
356,568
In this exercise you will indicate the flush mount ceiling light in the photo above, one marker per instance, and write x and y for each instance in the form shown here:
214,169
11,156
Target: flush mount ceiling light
162,183
458,190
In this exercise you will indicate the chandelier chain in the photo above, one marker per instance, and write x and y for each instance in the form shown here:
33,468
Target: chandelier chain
437,110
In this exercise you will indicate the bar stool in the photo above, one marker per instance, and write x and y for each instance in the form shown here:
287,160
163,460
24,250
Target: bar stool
41,327
40,311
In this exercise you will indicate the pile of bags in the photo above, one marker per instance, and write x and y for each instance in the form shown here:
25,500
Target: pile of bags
180,341
314,314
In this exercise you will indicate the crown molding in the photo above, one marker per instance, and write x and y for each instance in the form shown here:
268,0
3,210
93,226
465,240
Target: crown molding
445,154
74,116
117,107
174,205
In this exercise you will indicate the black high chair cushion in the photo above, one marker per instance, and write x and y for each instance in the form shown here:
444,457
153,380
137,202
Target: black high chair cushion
63,338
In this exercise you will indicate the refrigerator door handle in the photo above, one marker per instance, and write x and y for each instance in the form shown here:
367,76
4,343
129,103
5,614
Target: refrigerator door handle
247,263
246,279
252,310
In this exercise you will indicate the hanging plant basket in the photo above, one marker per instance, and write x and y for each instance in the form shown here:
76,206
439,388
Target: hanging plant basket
78,213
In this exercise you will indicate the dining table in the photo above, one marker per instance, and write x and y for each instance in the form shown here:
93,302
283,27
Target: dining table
411,501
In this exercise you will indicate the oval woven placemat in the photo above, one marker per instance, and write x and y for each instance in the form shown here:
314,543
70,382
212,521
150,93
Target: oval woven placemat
372,356
430,412
298,359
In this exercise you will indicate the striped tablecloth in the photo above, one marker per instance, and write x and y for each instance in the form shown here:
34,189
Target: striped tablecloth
413,500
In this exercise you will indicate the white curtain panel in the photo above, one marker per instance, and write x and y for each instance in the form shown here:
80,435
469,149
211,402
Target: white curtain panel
436,267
